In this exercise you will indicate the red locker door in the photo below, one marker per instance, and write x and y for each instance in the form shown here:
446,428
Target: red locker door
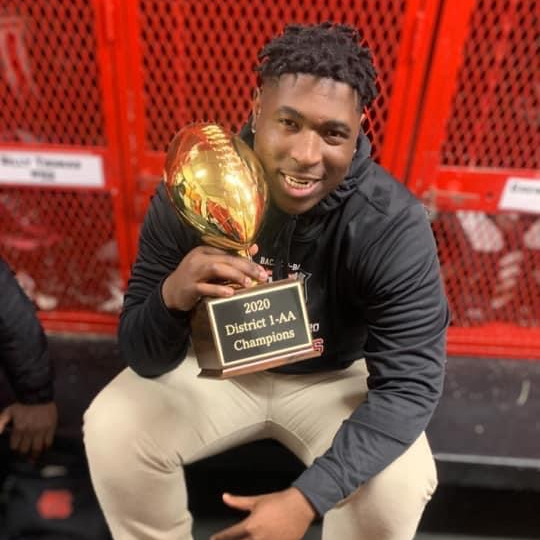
475,163
61,204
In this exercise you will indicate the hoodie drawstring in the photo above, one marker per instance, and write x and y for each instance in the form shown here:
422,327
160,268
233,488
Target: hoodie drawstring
282,246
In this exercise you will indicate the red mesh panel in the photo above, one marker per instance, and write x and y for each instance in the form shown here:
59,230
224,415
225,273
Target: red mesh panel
62,246
199,56
60,243
494,118
491,267
49,91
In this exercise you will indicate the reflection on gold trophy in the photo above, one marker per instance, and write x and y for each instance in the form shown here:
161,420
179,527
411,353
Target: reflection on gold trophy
216,184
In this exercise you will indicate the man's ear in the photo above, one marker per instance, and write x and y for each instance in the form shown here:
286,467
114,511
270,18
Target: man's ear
362,124
255,108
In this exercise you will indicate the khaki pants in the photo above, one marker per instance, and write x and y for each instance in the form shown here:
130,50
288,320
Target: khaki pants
140,432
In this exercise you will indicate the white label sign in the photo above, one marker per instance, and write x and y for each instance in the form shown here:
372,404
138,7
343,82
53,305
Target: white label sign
51,169
522,194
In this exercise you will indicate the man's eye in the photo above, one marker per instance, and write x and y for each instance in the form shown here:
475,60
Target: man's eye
333,134
287,122
336,136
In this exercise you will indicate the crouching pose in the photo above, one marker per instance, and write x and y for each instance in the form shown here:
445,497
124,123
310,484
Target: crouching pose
356,415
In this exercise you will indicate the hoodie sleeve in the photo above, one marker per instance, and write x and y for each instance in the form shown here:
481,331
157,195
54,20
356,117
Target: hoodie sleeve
152,338
407,315
23,346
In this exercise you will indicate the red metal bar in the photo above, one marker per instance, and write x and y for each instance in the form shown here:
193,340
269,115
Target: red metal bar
418,33
447,59
459,188
130,108
106,46
85,322
495,341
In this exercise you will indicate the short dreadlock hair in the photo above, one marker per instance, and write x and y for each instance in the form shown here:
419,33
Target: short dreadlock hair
324,50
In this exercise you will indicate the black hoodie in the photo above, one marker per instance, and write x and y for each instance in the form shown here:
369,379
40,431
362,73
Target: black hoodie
24,354
369,263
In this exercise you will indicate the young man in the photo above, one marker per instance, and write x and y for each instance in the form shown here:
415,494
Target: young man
365,249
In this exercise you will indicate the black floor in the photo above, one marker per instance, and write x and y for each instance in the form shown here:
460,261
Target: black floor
491,409
454,512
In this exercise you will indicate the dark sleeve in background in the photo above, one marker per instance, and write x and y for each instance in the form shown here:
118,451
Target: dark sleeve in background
152,338
407,317
24,353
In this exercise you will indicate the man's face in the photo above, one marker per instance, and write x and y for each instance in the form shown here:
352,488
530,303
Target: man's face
306,132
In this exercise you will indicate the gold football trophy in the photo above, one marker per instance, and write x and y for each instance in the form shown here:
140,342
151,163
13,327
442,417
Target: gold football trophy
217,186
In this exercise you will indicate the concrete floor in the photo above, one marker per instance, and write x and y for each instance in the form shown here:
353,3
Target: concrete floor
205,527
455,513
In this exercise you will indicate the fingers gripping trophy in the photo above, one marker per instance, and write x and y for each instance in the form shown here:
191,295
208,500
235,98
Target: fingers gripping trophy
217,186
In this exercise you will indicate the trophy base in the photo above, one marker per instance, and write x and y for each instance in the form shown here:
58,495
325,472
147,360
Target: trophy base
258,328
260,365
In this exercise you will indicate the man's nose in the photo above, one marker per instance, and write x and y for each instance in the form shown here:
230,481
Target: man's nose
307,149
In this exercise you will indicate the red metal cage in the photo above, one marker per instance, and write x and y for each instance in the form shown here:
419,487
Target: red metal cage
476,147
114,80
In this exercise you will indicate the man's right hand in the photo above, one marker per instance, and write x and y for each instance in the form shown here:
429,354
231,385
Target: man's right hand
206,271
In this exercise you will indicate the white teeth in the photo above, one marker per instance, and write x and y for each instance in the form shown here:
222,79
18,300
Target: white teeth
297,183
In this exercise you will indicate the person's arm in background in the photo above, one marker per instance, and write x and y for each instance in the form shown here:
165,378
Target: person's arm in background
24,357
171,273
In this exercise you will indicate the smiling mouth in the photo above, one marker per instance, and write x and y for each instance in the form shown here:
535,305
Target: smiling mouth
298,183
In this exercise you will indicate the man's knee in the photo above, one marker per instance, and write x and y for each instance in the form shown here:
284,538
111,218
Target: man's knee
410,480
116,418
131,422
390,505
108,424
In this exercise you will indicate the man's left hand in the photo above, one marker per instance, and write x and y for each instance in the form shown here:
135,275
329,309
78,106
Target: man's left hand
284,514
